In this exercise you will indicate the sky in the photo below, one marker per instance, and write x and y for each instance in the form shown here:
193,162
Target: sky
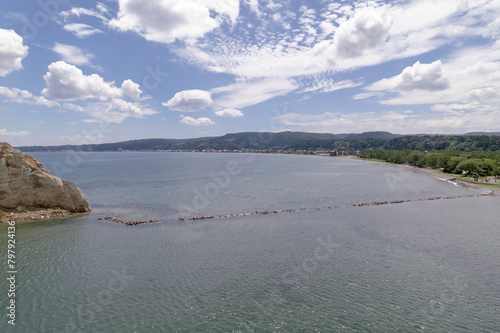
80,72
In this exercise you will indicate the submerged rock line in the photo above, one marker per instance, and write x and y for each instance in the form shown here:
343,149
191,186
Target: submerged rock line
375,203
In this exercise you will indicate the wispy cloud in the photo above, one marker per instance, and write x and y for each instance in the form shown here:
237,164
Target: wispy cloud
75,55
82,30
396,122
299,48
4,132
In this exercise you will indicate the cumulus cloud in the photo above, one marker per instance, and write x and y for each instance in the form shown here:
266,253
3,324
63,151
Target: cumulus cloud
67,82
189,100
73,54
12,51
427,77
131,89
332,38
469,78
167,20
5,132
365,30
81,30
229,113
197,121
422,76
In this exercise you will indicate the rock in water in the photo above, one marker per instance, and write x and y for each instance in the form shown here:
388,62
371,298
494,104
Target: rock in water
25,182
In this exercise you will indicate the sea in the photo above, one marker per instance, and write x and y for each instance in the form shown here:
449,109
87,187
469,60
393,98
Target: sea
287,243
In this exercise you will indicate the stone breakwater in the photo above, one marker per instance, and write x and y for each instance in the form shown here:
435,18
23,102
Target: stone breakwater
375,203
126,222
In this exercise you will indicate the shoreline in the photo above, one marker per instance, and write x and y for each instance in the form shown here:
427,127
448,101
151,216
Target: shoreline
434,173
36,214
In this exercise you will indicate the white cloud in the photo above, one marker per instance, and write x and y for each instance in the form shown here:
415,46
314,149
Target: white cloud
12,51
189,100
470,78
341,38
367,29
244,94
324,84
428,77
40,100
320,43
229,113
116,111
16,95
67,82
81,30
367,95
394,122
73,54
197,122
422,76
4,132
79,11
167,20
254,6
131,89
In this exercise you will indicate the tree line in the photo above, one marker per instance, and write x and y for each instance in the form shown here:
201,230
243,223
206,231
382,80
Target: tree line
478,163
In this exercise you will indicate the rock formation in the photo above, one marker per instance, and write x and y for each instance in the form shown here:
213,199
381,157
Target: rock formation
26,185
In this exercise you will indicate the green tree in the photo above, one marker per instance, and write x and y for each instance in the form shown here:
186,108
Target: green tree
416,158
452,163
431,160
470,165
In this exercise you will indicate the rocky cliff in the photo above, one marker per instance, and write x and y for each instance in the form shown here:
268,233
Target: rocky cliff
26,185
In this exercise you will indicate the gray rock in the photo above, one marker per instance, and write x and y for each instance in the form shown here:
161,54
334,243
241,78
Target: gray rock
25,182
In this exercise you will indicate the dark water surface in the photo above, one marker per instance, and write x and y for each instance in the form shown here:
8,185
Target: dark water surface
418,266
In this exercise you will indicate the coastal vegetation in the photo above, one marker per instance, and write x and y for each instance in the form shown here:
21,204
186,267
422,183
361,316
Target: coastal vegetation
477,167
482,164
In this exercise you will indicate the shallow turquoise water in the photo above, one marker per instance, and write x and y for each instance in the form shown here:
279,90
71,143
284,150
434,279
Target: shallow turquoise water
419,266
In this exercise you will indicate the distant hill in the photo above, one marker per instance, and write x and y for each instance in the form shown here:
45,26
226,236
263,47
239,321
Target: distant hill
482,133
295,141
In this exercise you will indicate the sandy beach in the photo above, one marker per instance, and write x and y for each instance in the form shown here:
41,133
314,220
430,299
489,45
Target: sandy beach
434,173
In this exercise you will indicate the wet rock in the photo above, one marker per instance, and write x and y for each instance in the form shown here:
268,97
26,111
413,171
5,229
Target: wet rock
26,185
126,222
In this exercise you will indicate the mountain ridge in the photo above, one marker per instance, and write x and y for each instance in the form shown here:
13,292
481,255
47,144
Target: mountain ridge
288,140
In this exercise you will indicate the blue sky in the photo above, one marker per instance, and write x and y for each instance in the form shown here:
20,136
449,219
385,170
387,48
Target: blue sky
91,72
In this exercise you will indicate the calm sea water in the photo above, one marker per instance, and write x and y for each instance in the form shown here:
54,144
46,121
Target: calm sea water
418,266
